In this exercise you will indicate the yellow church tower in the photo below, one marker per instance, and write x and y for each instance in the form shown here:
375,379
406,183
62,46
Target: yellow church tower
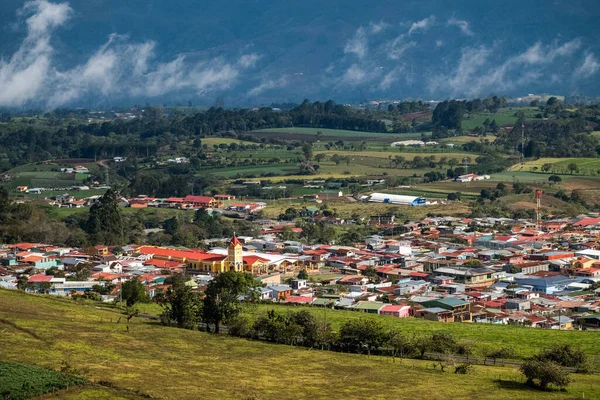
235,258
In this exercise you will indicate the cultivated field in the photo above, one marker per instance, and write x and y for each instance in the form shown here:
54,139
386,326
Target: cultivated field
169,363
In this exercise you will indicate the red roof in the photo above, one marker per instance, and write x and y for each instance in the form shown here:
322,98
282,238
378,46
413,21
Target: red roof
299,299
163,263
587,222
235,241
393,308
198,199
181,254
40,278
251,260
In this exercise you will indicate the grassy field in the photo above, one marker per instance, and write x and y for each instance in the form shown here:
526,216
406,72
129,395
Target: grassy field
503,117
232,172
586,166
210,141
348,209
168,363
526,341
408,155
334,133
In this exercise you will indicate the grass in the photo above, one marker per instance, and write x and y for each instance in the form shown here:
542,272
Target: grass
332,132
503,117
210,141
232,172
408,155
169,363
526,341
19,381
348,209
586,166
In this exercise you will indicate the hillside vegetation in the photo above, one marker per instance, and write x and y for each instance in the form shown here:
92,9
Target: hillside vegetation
170,363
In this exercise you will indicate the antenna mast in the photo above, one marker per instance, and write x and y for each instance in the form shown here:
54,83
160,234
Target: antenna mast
538,209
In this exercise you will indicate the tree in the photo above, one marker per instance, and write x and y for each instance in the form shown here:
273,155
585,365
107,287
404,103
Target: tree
362,334
319,157
422,344
401,344
180,304
473,264
133,291
504,352
105,224
573,168
554,179
566,356
453,196
222,300
545,373
303,274
307,151
546,167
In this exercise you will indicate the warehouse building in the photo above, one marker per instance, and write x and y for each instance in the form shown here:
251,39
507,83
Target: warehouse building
396,199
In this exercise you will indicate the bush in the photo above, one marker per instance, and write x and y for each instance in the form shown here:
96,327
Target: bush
240,326
505,352
360,334
463,369
545,373
566,356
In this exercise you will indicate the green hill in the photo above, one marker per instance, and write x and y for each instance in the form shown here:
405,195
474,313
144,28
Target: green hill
169,363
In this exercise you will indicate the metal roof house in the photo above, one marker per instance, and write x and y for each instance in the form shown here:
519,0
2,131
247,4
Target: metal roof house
396,199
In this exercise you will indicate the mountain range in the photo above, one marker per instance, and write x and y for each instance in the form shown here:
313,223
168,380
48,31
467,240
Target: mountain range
253,52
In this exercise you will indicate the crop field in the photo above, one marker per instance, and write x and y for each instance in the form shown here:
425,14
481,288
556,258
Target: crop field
19,381
310,135
211,141
408,155
467,139
232,172
346,209
328,132
504,117
168,363
586,166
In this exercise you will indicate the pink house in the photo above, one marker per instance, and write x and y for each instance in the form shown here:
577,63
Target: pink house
399,311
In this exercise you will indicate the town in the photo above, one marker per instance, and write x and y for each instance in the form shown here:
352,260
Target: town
447,269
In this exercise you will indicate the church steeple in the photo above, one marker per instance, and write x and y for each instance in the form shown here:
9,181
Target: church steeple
235,259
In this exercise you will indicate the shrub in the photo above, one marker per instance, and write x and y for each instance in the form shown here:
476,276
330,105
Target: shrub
545,373
463,369
566,356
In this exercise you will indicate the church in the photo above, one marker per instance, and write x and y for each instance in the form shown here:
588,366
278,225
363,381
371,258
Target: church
233,261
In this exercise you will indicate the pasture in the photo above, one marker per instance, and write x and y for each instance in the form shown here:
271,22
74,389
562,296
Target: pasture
150,360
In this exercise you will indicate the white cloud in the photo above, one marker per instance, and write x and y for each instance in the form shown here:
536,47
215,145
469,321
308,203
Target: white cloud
355,75
398,46
23,77
358,44
588,68
439,43
462,25
422,25
478,73
249,60
377,27
390,78
268,85
118,68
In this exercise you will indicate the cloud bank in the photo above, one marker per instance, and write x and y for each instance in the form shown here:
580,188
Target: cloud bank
119,68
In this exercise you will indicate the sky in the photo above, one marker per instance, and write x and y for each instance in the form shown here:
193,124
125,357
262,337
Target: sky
56,53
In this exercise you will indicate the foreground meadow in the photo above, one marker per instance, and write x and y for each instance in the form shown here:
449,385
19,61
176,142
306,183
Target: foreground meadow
169,363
